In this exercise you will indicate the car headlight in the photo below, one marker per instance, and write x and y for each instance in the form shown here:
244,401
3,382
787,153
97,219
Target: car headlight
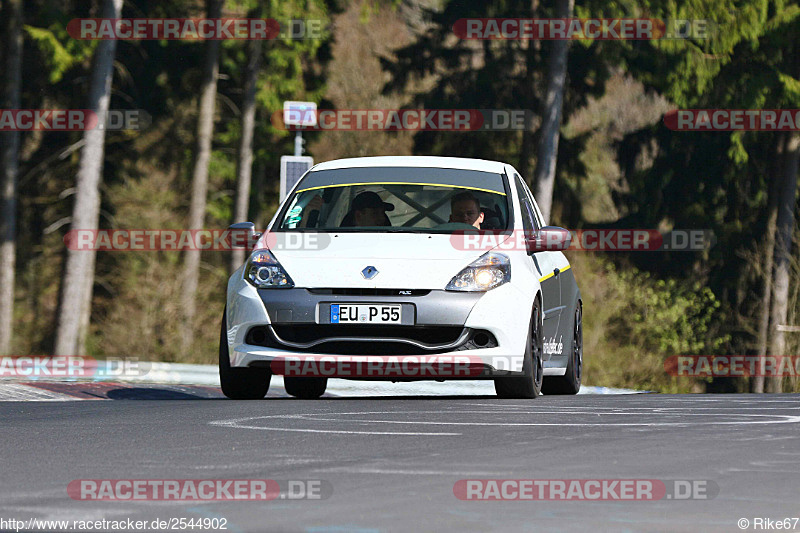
263,271
485,273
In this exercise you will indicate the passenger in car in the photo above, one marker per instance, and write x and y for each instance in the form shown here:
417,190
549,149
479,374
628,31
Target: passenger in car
367,209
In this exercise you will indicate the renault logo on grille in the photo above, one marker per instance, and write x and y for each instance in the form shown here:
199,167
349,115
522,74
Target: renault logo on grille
369,272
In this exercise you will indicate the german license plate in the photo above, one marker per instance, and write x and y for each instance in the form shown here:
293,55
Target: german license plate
365,314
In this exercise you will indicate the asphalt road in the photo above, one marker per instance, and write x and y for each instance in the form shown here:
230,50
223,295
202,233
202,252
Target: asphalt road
390,464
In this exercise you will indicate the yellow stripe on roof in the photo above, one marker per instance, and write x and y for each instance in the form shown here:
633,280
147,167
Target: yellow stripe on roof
401,183
551,274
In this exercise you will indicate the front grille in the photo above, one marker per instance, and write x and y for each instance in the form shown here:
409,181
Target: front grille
391,338
371,292
313,332
372,348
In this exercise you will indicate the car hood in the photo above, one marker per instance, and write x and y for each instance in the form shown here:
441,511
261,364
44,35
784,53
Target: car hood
403,261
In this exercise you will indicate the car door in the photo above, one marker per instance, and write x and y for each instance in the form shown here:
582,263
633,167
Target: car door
558,346
545,263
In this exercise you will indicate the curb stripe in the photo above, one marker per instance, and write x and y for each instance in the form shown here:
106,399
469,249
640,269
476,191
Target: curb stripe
22,392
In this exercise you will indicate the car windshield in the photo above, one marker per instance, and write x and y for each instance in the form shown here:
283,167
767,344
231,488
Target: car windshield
397,200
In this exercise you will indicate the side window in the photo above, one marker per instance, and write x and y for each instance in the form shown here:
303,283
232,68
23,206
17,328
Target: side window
529,222
537,214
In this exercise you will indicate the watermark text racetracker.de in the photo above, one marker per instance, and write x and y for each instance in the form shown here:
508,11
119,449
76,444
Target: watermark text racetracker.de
70,366
559,29
396,366
175,240
595,240
193,490
707,366
590,240
193,29
73,120
733,120
584,489
455,120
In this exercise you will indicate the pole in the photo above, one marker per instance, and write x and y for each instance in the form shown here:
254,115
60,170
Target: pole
298,143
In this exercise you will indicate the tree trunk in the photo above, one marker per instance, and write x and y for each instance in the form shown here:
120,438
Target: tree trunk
772,216
197,209
9,162
545,174
76,295
528,145
783,252
245,164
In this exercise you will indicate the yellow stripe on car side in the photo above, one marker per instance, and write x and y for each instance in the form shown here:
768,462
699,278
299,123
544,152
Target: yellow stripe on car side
551,274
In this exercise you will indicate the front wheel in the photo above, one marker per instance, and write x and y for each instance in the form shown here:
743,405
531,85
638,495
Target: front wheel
240,383
570,382
529,385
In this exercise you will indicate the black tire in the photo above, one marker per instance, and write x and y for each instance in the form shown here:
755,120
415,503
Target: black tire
570,382
305,388
240,383
529,385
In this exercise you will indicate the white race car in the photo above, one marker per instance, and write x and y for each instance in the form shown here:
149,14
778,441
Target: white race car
404,268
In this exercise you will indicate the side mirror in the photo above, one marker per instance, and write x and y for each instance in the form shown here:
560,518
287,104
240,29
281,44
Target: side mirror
549,239
243,235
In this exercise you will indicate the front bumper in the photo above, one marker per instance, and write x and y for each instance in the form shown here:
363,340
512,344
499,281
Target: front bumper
282,324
